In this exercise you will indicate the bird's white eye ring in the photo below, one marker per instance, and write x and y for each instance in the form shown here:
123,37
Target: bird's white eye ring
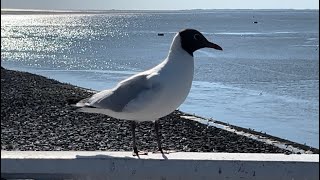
196,37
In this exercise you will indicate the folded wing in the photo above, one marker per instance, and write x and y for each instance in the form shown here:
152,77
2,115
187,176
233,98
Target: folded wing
116,99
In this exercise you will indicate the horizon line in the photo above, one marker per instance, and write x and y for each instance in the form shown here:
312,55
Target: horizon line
72,10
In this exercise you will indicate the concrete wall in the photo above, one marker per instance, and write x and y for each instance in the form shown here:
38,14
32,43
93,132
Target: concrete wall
180,165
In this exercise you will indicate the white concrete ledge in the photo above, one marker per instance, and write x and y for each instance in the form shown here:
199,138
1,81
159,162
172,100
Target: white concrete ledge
180,165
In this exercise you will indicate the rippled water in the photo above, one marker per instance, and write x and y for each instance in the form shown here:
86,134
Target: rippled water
267,77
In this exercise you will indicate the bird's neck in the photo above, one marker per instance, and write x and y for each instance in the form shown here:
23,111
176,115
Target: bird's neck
176,52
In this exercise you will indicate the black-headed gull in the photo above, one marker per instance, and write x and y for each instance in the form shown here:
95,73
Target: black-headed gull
155,93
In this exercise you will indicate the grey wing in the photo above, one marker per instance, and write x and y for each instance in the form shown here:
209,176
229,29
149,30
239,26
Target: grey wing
116,99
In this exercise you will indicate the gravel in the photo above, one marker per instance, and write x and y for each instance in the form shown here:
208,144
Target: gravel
36,115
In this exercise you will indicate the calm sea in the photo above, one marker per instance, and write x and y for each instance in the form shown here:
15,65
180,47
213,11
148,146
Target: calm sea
267,77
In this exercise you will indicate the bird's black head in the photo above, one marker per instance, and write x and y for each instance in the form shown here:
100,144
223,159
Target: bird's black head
192,40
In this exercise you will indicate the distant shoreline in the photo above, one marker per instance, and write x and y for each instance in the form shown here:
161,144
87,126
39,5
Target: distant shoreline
47,12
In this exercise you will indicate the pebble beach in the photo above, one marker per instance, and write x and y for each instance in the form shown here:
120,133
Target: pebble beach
37,115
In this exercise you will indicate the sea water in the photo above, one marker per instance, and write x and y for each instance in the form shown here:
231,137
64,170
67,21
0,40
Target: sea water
266,78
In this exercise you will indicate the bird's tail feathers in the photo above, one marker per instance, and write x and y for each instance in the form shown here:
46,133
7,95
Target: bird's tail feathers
82,103
88,109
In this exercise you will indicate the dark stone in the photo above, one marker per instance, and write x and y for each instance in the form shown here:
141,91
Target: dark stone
35,116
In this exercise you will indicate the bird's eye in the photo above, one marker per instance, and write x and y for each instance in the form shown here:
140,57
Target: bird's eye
197,37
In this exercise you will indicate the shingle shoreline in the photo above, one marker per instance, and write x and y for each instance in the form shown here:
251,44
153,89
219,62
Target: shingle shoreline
36,115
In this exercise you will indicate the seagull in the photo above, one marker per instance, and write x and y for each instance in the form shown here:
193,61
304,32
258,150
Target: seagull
154,93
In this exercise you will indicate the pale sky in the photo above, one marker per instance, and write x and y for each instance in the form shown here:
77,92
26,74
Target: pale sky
158,5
